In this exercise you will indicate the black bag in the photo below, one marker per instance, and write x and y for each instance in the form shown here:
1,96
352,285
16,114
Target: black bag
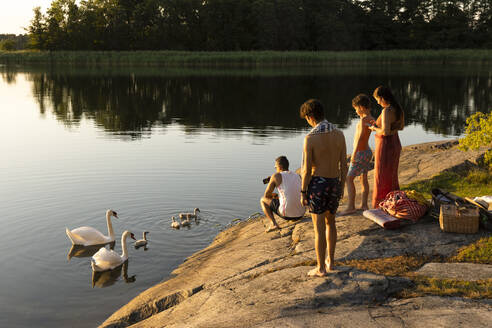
439,197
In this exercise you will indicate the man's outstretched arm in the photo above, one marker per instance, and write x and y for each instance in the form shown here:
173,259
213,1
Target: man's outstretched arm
271,186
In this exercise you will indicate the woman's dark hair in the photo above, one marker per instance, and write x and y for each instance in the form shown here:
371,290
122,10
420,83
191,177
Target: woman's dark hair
283,162
386,94
313,108
362,100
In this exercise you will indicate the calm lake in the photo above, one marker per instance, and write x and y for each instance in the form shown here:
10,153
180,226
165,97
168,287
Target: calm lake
152,142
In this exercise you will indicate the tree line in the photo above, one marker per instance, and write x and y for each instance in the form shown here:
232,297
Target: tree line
223,25
13,42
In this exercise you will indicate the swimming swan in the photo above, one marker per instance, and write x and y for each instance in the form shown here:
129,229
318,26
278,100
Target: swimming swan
106,259
189,215
175,224
143,241
87,236
186,222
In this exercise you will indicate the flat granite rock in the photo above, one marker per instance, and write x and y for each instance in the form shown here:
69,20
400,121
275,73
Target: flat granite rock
417,312
249,278
283,293
459,271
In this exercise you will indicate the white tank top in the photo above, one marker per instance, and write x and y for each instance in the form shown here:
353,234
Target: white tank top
289,194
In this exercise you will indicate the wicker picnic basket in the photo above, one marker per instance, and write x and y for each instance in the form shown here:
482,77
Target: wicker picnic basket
459,219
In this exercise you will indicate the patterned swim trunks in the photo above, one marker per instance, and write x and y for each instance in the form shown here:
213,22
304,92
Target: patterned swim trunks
323,195
362,163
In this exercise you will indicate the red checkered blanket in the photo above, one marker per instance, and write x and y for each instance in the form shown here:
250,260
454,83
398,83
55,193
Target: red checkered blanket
400,206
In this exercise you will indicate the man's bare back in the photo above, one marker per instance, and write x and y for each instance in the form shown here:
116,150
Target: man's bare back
328,154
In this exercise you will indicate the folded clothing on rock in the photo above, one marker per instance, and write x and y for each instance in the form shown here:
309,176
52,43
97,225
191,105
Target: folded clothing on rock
382,218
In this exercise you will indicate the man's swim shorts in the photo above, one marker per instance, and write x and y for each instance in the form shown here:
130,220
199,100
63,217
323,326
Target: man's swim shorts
323,195
361,164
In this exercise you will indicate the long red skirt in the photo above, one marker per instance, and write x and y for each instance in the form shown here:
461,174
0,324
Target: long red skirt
386,160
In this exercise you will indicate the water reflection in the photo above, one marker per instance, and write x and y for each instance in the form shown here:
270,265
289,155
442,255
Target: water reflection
108,278
85,251
8,74
129,104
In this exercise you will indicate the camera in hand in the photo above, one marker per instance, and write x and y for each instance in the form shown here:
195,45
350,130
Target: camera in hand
266,180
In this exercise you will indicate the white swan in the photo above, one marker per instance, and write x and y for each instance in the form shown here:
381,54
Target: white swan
175,224
193,215
87,236
106,259
143,241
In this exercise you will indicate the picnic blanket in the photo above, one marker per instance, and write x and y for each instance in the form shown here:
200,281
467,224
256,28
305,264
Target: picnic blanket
399,205
382,218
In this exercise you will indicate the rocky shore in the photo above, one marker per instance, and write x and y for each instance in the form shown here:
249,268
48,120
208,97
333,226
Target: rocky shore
249,278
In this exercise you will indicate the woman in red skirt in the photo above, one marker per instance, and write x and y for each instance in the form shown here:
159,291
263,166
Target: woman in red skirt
388,146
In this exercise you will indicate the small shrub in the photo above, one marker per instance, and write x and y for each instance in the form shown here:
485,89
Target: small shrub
479,177
478,133
7,45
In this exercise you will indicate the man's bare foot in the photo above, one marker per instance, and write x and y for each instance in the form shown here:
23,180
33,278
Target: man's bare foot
363,208
348,211
272,228
316,273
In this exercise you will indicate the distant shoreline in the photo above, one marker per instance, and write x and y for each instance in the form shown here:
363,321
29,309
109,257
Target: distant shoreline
246,58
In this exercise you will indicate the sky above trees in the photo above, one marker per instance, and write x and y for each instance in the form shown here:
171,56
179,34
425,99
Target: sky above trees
17,14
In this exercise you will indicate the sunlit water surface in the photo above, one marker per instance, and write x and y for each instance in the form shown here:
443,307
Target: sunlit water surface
180,141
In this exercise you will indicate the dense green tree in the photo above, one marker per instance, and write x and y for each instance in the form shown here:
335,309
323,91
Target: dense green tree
484,23
449,28
37,30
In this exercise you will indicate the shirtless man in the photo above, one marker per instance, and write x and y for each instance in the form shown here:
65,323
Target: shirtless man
324,170
360,161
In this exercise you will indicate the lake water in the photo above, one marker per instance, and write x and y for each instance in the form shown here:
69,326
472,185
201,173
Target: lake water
152,142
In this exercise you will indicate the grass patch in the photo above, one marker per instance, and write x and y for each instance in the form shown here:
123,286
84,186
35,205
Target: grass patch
404,266
391,266
248,58
467,184
448,287
478,252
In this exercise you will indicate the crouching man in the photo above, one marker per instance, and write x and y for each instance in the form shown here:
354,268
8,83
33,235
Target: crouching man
287,202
